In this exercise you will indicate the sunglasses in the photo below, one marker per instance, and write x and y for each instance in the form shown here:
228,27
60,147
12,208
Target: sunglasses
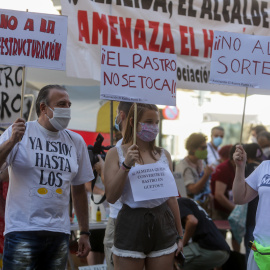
203,147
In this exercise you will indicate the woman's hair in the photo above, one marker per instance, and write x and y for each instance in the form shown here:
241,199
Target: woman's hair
224,151
141,109
233,148
265,134
194,141
253,151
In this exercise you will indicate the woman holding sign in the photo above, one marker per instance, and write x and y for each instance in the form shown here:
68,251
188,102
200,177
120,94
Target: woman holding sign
148,227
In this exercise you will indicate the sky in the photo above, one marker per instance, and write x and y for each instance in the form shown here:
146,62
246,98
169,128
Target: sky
41,6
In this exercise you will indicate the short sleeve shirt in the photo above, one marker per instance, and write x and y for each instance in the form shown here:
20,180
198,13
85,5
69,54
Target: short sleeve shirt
259,180
224,173
42,166
206,233
190,174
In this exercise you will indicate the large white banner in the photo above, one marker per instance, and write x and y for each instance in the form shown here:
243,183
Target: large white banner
185,28
10,94
33,39
138,76
240,60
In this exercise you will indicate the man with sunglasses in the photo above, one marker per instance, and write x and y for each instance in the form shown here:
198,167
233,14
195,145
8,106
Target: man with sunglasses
217,134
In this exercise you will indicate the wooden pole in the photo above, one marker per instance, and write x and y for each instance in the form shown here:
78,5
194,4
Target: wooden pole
111,121
243,116
22,91
135,123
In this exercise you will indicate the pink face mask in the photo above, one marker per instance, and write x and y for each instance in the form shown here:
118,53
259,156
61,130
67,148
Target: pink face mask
148,132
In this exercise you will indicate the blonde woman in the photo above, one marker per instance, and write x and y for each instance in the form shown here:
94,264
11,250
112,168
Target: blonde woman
148,233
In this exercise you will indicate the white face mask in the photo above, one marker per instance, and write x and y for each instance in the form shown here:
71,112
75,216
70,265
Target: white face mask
61,118
254,139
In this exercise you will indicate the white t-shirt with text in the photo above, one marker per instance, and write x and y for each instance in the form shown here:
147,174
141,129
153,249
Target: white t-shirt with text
42,166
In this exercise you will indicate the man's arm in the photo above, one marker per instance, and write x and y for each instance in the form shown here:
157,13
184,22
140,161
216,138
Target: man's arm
18,129
99,167
97,190
191,225
80,203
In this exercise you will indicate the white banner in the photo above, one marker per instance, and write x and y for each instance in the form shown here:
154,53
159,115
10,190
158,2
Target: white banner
152,183
10,94
184,28
138,76
33,39
240,60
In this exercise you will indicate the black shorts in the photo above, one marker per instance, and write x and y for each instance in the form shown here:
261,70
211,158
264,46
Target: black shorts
96,240
143,231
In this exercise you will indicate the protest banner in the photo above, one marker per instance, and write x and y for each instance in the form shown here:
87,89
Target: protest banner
240,60
184,28
138,76
154,183
10,97
33,39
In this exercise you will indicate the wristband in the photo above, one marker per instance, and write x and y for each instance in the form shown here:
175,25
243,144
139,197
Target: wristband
87,233
124,168
179,238
127,167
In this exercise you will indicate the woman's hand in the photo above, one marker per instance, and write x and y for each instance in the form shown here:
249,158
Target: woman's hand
132,155
240,156
179,247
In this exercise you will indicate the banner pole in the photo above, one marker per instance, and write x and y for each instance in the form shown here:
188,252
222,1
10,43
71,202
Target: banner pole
135,123
111,122
22,91
243,116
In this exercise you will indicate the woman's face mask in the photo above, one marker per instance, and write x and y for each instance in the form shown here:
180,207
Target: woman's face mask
61,118
201,154
148,132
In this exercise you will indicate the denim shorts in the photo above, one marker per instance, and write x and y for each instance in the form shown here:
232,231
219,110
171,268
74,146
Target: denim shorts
35,250
145,232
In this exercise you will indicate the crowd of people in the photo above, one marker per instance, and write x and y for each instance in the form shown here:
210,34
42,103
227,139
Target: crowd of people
42,163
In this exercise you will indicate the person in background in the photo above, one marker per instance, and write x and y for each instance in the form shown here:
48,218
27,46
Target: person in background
120,125
148,232
96,255
255,131
3,195
217,134
244,191
224,152
193,168
221,187
45,161
254,158
204,245
263,139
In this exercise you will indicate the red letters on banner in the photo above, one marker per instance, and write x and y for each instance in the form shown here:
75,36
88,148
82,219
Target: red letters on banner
140,34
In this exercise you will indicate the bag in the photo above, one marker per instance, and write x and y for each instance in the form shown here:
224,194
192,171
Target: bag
262,256
237,220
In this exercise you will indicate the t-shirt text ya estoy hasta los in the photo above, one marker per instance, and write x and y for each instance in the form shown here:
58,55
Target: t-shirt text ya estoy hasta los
42,166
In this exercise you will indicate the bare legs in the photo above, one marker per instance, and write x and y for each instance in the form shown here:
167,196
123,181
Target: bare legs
157,263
